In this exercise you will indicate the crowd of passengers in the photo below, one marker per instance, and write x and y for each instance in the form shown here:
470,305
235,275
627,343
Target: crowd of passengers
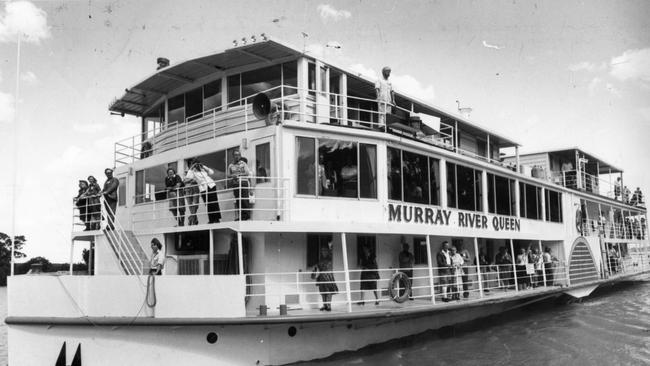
531,269
622,193
629,227
89,204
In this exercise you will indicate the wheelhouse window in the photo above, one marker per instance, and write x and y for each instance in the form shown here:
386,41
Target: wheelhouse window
336,169
121,192
212,95
194,104
530,202
290,77
255,81
501,195
464,187
263,162
412,177
176,107
150,183
553,206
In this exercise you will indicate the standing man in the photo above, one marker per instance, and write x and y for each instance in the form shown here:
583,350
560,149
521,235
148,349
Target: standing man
483,263
406,262
110,197
443,258
466,262
385,96
237,172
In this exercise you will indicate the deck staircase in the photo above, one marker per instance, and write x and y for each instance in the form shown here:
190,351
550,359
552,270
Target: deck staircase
127,249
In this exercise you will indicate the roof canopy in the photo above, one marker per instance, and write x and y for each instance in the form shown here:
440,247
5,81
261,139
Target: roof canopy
138,99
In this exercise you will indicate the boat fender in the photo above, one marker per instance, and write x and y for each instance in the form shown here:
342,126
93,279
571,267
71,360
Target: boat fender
399,282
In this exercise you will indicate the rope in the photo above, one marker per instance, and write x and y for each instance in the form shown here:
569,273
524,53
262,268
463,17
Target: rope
151,291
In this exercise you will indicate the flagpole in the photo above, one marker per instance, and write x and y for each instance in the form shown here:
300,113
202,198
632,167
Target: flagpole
15,156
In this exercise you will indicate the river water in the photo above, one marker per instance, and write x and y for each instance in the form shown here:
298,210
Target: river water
612,327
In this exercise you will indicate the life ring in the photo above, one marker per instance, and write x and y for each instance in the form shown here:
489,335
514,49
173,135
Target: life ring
399,282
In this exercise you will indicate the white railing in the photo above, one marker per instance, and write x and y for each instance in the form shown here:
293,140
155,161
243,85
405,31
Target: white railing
300,290
632,229
265,199
291,103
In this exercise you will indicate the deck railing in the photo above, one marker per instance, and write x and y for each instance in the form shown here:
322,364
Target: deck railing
632,229
290,103
300,290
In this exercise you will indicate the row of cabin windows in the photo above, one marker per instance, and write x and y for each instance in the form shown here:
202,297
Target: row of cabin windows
192,104
336,168
150,182
412,178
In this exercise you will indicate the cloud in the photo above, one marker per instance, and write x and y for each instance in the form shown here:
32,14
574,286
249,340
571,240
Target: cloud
23,17
406,84
328,12
6,108
411,86
71,156
593,85
588,66
315,49
613,90
29,77
632,65
362,70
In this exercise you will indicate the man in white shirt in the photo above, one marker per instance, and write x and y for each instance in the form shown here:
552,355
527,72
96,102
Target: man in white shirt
443,259
208,189
385,96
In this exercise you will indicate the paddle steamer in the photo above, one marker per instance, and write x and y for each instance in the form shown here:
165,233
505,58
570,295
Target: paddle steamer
331,175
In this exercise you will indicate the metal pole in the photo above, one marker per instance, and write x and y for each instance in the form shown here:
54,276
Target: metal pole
514,268
240,252
430,264
346,271
211,252
543,264
15,157
478,268
71,254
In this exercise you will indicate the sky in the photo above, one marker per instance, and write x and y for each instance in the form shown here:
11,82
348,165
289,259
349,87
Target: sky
549,74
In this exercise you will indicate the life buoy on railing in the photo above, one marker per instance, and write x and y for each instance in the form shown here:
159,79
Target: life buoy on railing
399,282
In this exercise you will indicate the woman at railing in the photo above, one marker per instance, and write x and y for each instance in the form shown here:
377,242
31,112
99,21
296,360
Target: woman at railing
201,174
82,204
174,186
237,170
94,208
325,281
369,275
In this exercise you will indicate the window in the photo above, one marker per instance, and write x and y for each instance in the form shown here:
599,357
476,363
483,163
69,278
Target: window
121,192
262,162
341,167
176,107
311,78
500,195
218,162
553,206
416,177
290,77
234,90
434,172
366,241
305,160
394,169
255,81
150,183
464,187
338,168
212,95
367,171
420,250
530,201
315,244
194,104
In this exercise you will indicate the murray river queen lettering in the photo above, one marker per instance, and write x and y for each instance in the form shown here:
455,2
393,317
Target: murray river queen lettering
442,217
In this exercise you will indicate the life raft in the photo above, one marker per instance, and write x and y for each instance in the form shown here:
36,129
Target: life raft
399,282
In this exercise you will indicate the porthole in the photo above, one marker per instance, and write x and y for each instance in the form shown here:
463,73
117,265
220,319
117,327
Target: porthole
212,337
292,331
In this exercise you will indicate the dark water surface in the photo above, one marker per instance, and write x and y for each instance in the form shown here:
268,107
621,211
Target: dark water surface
612,327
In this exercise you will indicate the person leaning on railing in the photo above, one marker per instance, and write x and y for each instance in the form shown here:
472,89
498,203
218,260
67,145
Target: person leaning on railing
208,188
237,170
110,196
174,186
82,204
94,208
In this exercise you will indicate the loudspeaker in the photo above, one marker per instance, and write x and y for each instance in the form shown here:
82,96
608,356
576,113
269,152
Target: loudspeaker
261,106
